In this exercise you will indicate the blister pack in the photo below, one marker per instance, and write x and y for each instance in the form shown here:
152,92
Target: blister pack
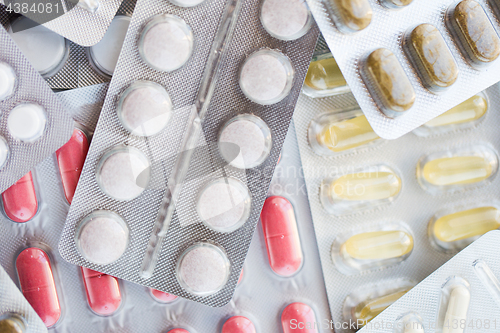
388,213
33,123
406,62
16,315
460,296
63,63
83,22
249,77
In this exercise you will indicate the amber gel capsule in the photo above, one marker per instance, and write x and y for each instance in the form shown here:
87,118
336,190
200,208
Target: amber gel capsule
378,245
479,41
366,186
388,81
369,309
434,62
352,15
324,74
457,170
466,224
468,111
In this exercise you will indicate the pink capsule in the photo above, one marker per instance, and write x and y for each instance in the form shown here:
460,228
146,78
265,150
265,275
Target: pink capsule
281,235
238,324
241,277
103,292
37,284
298,318
178,330
163,297
20,203
70,159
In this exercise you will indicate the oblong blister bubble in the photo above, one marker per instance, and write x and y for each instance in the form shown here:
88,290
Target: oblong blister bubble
103,292
364,189
372,248
12,323
266,76
8,80
350,15
166,43
285,19
299,314
458,168
26,122
473,32
238,324
102,237
410,322
454,305
123,173
203,269
431,57
396,4
20,202
144,108
251,135
324,77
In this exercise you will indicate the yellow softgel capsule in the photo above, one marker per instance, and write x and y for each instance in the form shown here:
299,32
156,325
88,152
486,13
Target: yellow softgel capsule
379,245
468,111
466,224
369,309
324,74
366,186
346,134
457,170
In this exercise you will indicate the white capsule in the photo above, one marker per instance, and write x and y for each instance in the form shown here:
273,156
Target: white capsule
458,305
413,327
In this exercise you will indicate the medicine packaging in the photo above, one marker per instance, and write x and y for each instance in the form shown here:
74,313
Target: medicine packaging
407,62
460,296
389,212
33,122
130,163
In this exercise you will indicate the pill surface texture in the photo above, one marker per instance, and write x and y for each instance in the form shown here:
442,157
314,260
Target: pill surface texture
354,15
285,19
379,245
145,108
103,292
457,170
203,269
102,237
26,122
70,159
20,202
457,308
475,31
298,318
281,235
466,224
366,186
387,79
162,297
166,43
366,311
435,63
7,80
324,74
468,111
266,77
238,324
37,284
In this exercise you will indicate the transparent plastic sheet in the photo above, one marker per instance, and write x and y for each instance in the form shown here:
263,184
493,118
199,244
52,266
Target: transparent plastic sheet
430,298
29,88
386,31
261,295
81,26
227,101
78,60
13,301
413,206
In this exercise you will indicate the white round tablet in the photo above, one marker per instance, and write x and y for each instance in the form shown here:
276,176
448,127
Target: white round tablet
123,173
203,269
224,204
245,141
285,19
4,152
46,50
166,43
186,3
26,122
102,237
104,55
144,108
266,76
7,80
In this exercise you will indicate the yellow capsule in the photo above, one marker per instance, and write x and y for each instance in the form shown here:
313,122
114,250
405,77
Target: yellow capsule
470,110
12,324
324,74
457,170
466,224
379,245
366,186
347,134
369,309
